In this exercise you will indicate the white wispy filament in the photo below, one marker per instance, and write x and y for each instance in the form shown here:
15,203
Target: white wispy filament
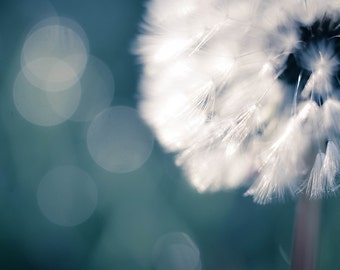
246,93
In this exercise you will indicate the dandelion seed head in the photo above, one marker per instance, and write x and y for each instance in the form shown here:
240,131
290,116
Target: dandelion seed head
246,92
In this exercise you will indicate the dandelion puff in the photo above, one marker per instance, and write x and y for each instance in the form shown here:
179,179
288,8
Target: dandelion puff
331,114
323,173
245,92
316,181
285,163
330,167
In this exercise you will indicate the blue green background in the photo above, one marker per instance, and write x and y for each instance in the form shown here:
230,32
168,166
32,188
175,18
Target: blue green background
230,231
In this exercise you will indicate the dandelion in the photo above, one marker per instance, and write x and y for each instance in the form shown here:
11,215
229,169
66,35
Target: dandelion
243,90
246,93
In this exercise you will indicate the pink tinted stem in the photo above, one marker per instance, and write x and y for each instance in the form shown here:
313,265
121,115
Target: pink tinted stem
306,231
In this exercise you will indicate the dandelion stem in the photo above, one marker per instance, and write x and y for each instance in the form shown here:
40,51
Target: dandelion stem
306,230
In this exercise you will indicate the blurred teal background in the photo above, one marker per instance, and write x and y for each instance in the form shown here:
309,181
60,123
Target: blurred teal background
144,216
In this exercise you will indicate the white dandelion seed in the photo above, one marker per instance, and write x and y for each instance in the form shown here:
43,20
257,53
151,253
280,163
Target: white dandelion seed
246,92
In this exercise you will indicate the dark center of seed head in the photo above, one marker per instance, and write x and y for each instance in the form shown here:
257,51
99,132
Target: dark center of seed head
323,35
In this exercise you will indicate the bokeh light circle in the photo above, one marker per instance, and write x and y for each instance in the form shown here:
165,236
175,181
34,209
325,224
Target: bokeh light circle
54,54
118,140
44,108
67,196
97,90
176,251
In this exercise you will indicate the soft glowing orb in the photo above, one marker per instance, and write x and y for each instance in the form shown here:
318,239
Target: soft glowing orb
54,54
176,251
97,89
44,108
118,140
67,196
